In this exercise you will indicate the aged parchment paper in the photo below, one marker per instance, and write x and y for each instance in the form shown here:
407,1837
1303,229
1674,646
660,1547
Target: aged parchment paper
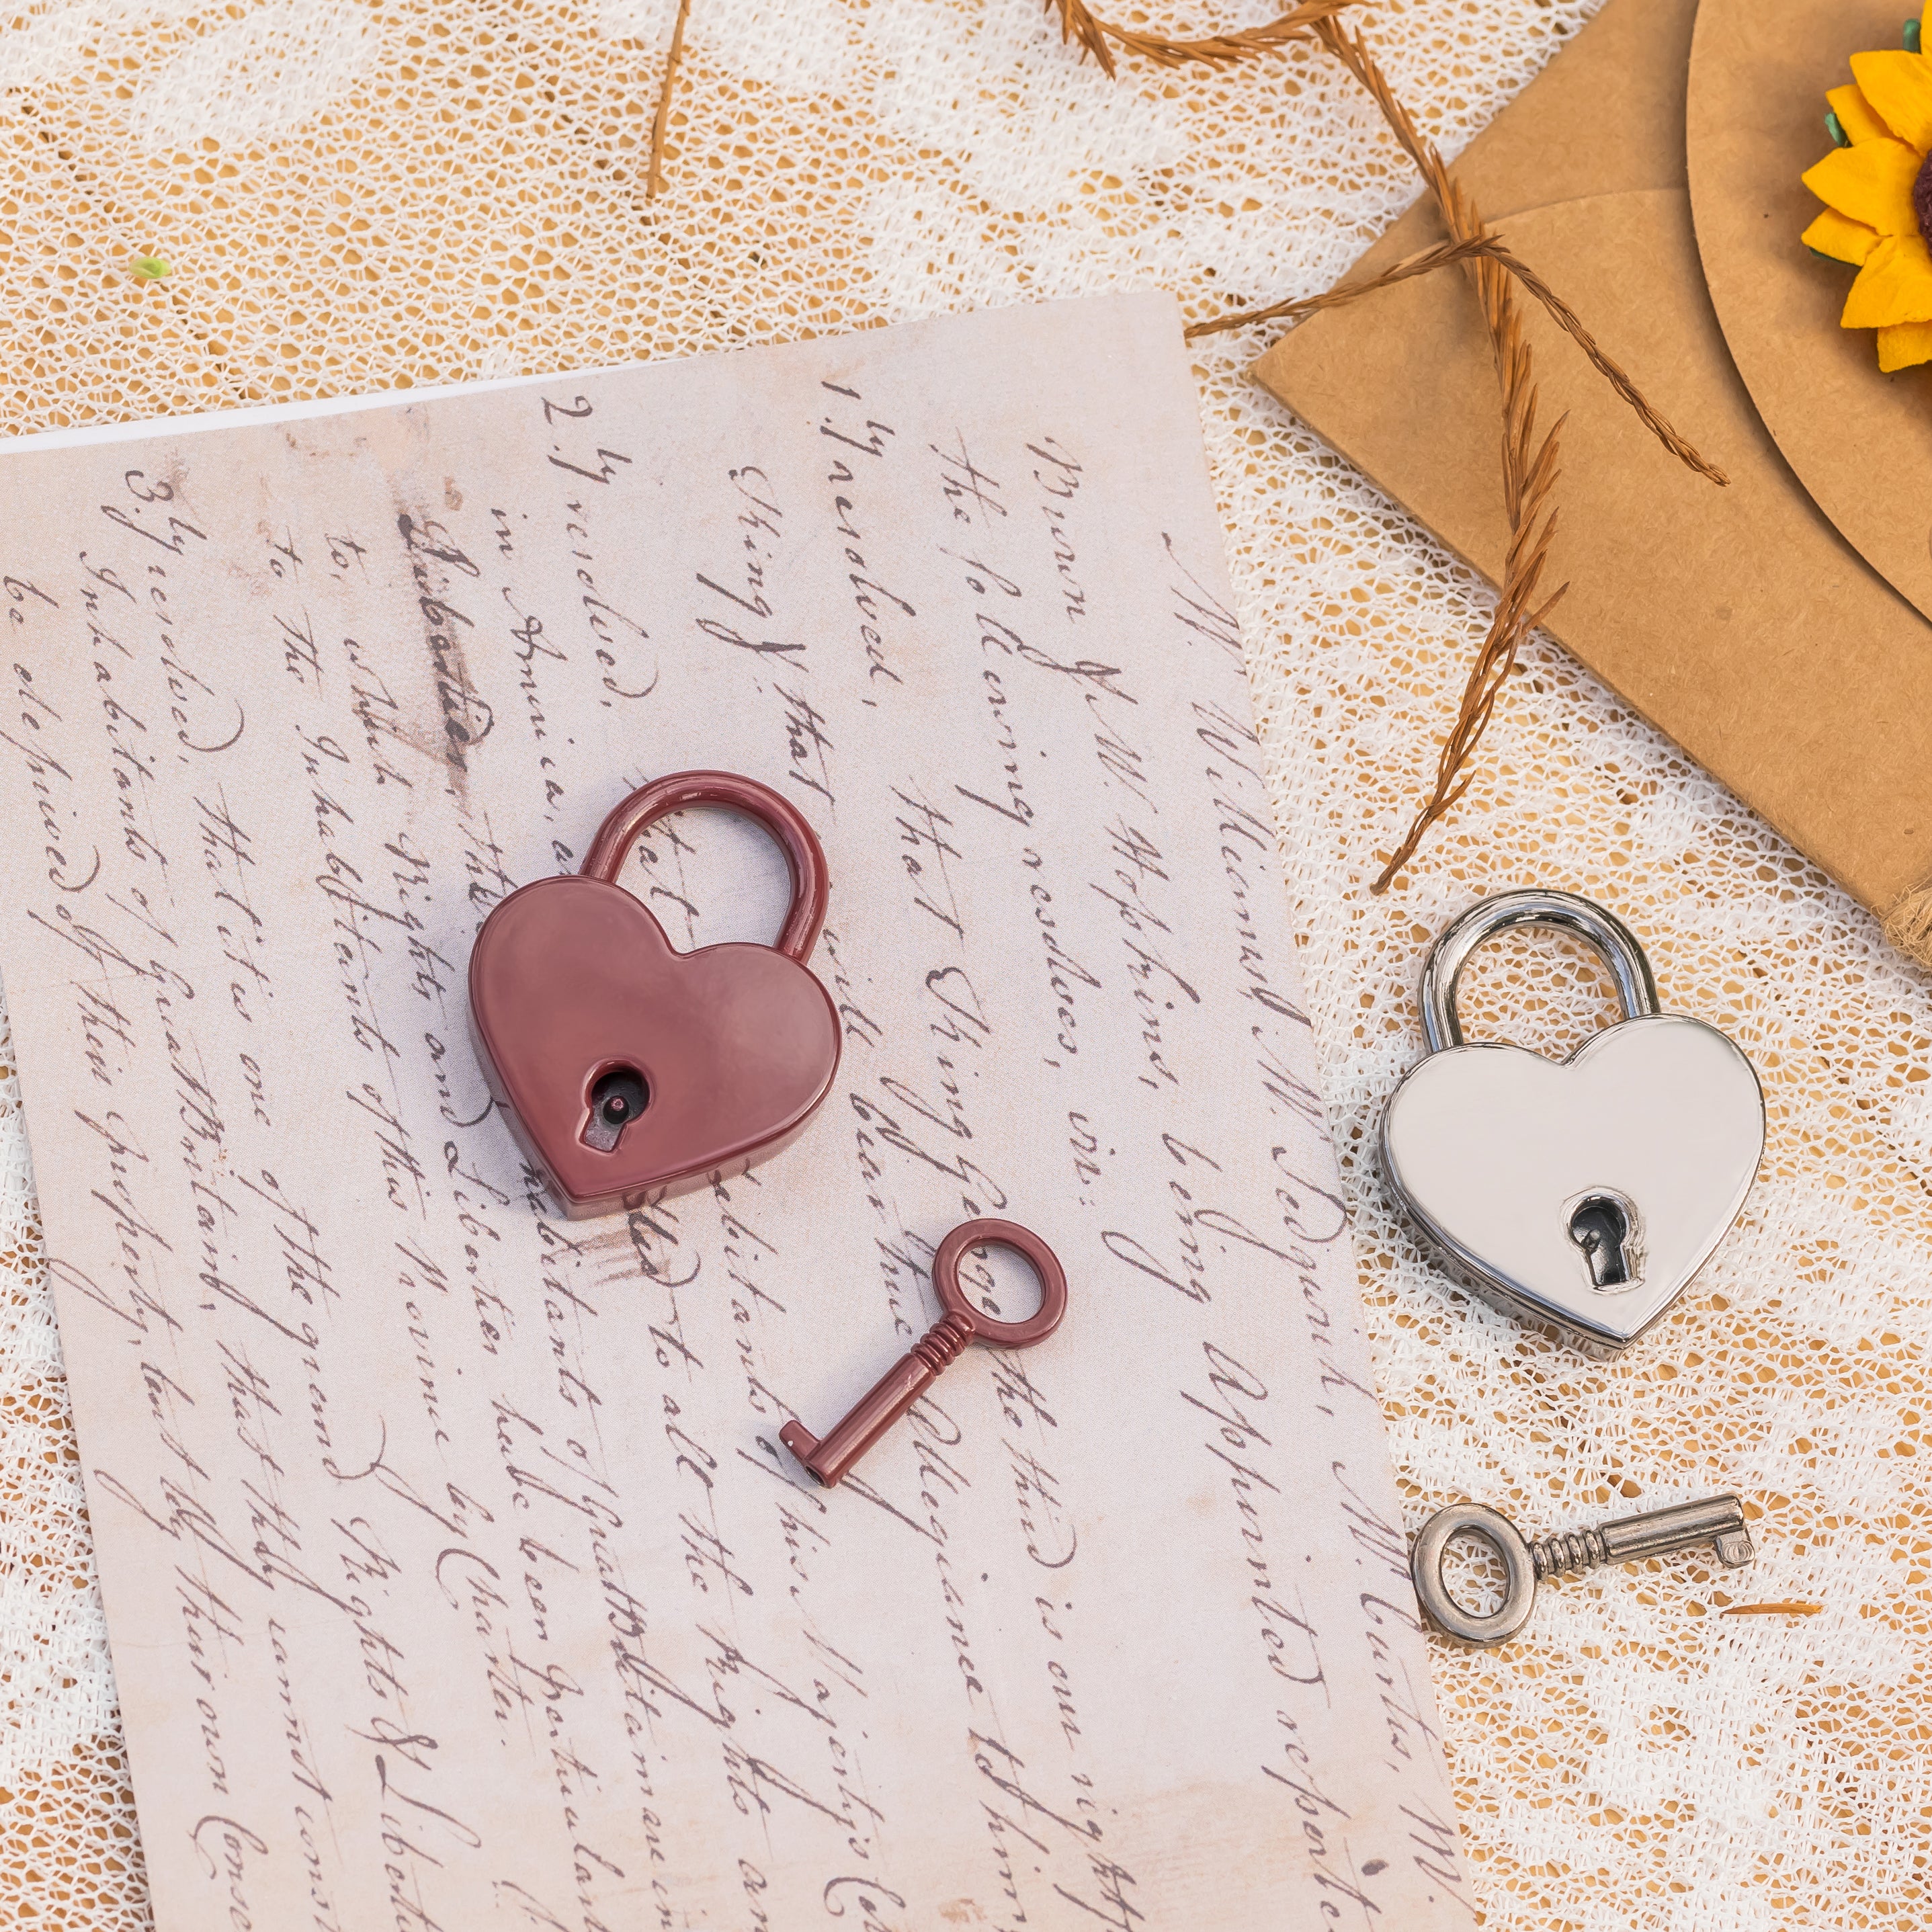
454,1573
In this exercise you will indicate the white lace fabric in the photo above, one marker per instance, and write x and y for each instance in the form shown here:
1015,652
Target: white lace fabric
355,194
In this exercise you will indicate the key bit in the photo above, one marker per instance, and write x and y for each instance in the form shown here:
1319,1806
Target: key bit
915,1372
1718,1521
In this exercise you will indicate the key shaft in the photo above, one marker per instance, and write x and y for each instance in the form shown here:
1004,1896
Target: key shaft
829,1457
1718,1520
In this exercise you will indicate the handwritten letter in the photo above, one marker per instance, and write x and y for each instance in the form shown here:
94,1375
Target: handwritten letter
456,1576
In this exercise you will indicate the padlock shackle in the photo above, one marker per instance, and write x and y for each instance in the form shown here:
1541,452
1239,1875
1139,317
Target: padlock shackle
1604,932
811,881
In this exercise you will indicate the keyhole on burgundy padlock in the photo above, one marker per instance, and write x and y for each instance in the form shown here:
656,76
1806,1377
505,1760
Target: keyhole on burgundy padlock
1600,1226
618,1098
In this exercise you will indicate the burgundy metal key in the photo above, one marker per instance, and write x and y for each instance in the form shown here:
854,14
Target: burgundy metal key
914,1372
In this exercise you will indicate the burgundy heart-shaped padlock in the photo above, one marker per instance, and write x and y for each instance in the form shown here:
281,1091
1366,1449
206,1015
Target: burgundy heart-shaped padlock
628,1070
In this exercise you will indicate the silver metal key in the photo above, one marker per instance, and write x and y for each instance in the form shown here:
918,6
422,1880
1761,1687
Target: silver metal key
1718,1521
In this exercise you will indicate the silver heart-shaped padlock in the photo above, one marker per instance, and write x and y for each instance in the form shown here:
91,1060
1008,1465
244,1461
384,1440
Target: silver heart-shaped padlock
1586,1191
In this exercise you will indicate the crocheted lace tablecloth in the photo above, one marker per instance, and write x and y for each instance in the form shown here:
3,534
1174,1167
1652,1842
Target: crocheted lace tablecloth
355,194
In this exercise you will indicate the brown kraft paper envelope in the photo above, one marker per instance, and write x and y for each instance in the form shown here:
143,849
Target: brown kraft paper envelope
1738,620
1860,441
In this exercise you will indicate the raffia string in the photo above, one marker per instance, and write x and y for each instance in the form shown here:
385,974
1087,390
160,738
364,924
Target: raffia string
1908,924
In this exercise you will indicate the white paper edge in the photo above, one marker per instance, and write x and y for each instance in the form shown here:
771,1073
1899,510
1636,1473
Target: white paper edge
274,412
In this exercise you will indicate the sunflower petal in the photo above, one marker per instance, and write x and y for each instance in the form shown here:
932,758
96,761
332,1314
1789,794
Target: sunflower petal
1904,344
1894,285
1871,183
1899,87
1839,237
1856,116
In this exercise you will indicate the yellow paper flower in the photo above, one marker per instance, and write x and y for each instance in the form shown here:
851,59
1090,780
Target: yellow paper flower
1876,186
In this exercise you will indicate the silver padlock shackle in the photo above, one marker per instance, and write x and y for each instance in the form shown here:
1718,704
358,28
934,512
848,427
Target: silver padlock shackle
1604,932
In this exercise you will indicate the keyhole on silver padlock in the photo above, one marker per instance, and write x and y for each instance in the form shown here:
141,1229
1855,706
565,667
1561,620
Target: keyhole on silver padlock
618,1098
1600,1227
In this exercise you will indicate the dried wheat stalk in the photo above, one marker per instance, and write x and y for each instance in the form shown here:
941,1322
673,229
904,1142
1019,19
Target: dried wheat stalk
654,181
1440,257
1566,319
1530,464
1100,37
1077,22
1491,246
